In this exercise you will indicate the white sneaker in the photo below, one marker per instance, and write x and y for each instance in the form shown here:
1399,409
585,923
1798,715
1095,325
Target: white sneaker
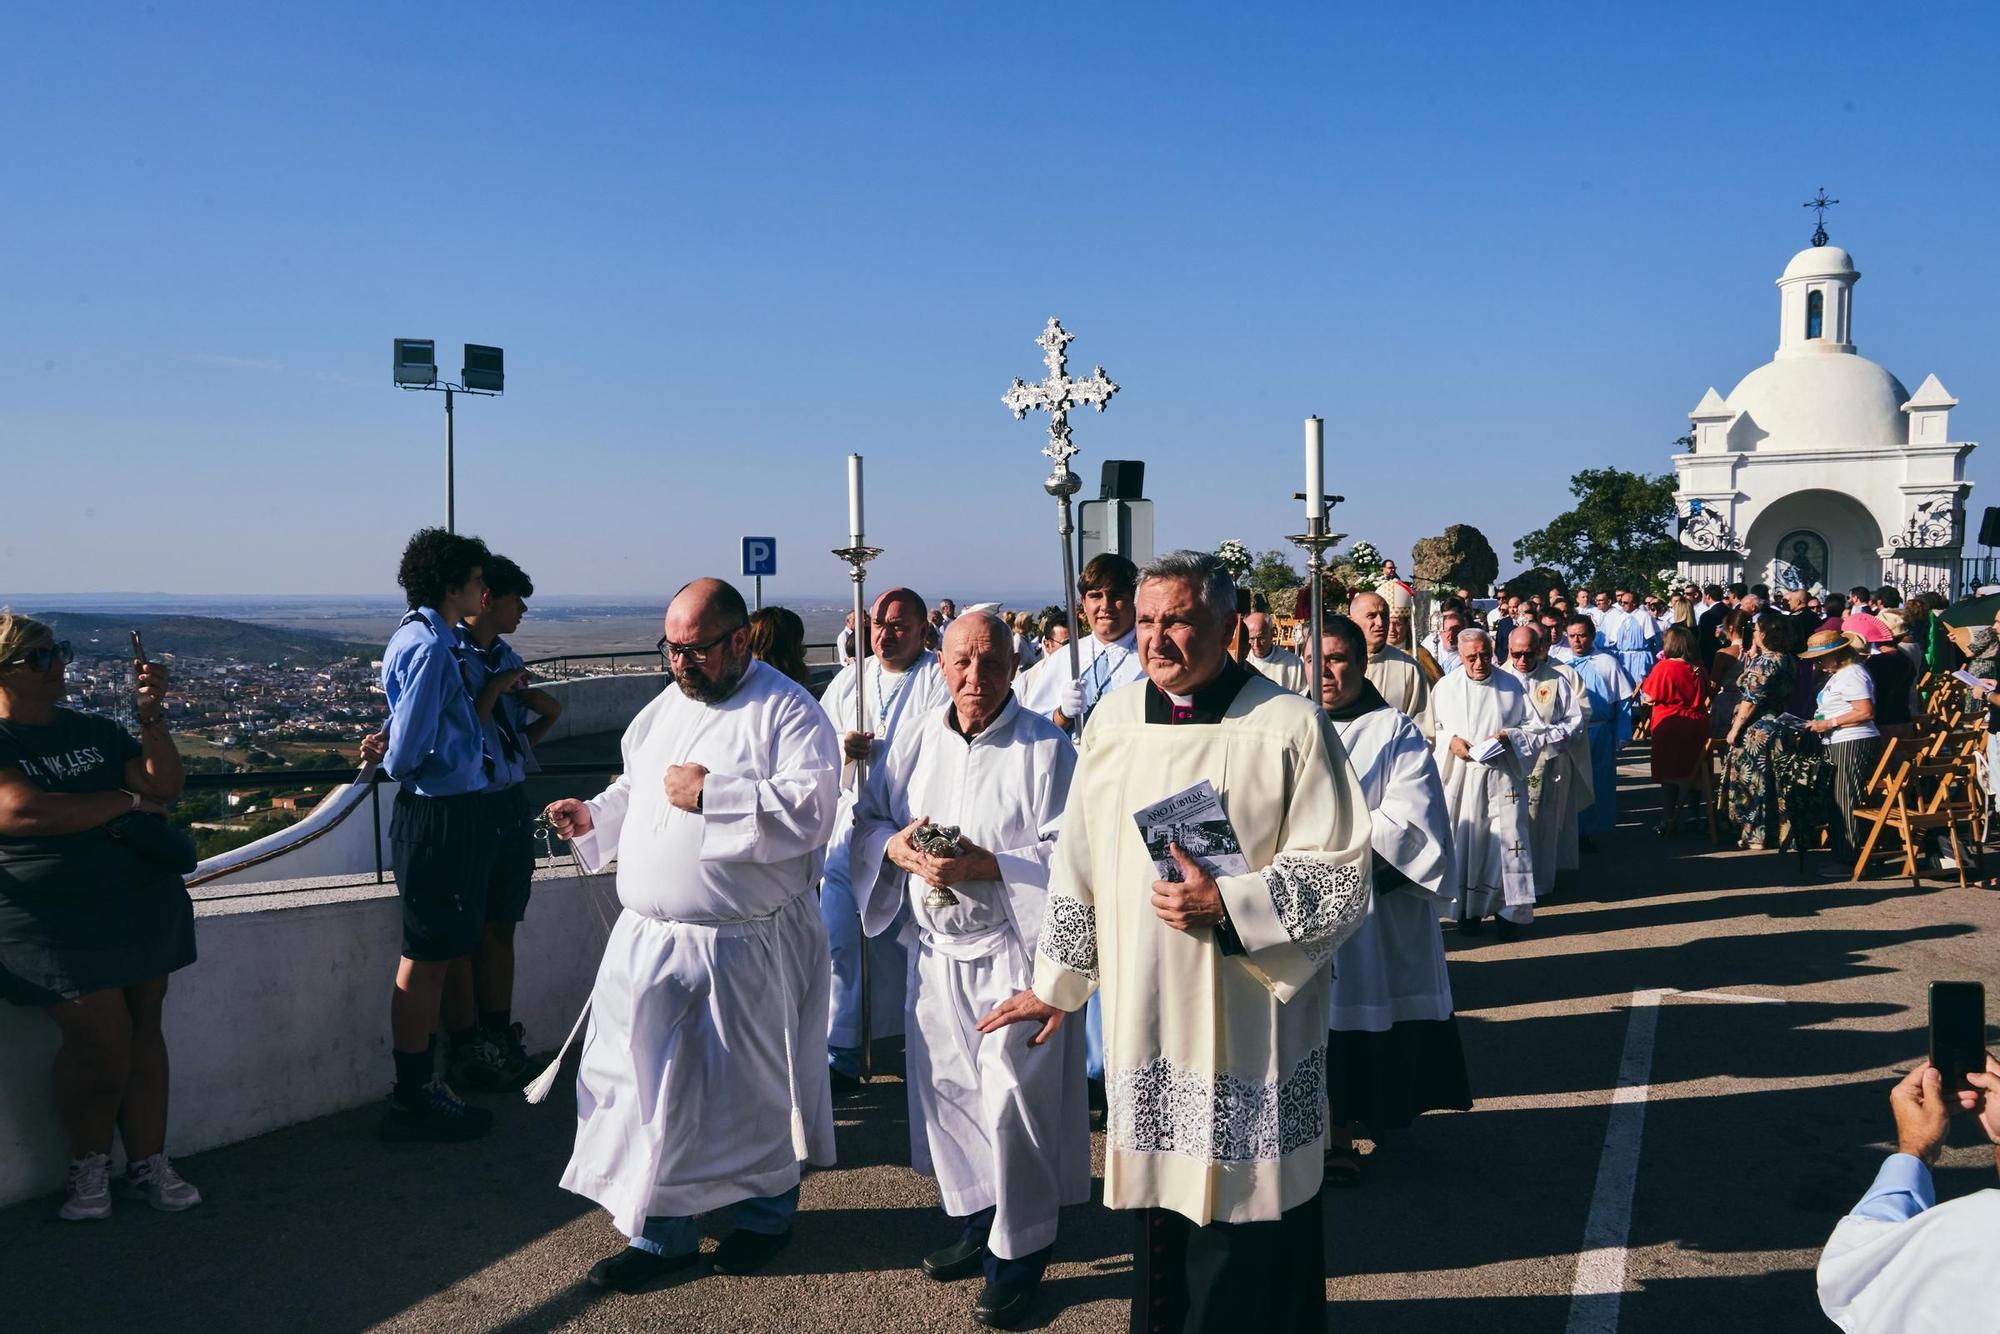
155,1181
89,1188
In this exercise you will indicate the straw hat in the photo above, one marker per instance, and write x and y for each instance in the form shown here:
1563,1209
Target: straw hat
1892,618
1825,642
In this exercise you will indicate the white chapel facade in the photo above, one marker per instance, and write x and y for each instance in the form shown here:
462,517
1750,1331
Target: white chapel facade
1820,465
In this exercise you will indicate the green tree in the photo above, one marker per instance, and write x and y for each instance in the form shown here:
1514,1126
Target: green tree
1620,533
1272,578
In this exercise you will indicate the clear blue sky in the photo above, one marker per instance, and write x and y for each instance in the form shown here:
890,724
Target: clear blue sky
724,245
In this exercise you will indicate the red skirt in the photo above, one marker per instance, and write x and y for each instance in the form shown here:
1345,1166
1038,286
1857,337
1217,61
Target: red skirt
1677,747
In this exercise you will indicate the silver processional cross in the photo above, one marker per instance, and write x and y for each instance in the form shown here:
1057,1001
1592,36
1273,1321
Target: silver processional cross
1056,395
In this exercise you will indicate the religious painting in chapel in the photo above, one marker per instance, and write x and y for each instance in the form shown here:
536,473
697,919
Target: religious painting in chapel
1805,551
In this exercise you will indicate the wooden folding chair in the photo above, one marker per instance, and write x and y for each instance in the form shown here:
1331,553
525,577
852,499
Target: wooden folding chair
1939,812
1887,813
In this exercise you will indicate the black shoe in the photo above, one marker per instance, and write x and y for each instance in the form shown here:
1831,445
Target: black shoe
1003,1308
959,1260
634,1268
745,1252
435,1115
1505,929
1472,926
844,1084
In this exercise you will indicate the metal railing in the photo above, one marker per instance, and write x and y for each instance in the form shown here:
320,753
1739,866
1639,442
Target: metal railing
649,658
263,779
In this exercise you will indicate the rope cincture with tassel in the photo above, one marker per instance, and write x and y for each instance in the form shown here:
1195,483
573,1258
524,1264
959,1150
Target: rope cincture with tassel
538,1088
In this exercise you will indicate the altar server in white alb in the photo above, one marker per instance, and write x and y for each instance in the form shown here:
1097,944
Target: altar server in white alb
902,682
1106,656
1392,1046
1004,1127
1215,990
702,1086
1473,712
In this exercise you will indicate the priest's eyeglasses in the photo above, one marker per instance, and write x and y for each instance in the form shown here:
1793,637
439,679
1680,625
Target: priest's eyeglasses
43,658
698,652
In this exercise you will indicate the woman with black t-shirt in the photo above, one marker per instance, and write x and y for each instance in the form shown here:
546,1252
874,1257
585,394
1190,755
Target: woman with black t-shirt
91,918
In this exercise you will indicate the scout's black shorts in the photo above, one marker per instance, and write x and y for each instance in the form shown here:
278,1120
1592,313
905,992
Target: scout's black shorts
443,850
513,854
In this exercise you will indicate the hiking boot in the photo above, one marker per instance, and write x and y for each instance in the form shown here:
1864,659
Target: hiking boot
436,1115
155,1181
89,1188
514,1046
482,1066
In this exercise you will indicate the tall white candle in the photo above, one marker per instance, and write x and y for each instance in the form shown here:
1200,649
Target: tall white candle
1315,469
854,528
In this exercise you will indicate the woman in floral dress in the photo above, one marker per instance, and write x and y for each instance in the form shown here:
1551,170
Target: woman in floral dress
1749,780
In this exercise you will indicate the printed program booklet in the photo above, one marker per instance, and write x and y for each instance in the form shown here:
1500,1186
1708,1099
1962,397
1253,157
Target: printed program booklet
1194,819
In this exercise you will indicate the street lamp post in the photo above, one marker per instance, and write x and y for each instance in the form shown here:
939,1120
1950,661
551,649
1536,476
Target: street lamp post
482,373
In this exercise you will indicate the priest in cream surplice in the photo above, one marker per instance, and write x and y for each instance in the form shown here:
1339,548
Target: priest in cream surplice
1268,658
1471,707
1004,1127
1214,991
1559,784
902,681
702,1086
1396,675
1392,1049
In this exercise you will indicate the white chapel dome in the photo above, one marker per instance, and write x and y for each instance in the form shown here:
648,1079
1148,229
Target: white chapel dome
1821,261
1822,402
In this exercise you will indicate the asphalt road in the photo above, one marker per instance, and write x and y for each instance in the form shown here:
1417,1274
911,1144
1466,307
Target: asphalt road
1744,1133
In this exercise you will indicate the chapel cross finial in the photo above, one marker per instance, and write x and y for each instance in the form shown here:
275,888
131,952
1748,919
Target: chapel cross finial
1057,394
1820,206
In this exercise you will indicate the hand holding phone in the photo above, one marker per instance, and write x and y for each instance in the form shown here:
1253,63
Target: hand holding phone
1958,1032
149,684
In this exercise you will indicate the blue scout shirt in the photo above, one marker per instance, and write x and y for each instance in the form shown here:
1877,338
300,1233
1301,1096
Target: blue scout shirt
436,745
506,730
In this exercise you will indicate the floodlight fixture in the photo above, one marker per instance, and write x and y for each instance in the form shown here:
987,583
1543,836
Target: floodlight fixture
416,362
483,371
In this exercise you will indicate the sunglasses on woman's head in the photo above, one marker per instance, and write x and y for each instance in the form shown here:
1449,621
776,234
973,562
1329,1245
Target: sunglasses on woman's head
43,658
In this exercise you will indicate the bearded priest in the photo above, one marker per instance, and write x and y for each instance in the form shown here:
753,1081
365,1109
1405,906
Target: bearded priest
1003,1127
1214,986
702,1087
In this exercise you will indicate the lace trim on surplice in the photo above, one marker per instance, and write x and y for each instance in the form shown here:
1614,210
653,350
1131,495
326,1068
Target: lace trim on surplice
1162,1107
1317,904
1069,934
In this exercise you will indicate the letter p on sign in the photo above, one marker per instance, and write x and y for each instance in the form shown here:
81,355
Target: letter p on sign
760,556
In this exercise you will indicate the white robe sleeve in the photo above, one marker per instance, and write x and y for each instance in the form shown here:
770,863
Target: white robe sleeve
787,814
1066,947
1294,913
1411,825
1024,871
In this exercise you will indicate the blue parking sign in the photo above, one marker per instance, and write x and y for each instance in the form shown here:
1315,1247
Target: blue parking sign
760,556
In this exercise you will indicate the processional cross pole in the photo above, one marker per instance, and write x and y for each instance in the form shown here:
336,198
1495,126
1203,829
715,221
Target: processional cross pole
1056,395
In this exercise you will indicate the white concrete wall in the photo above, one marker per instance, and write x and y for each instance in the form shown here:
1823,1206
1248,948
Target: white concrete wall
595,704
285,1015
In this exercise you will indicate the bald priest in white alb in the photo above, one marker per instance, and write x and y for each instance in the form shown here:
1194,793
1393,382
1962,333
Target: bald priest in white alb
1486,746
900,681
1559,782
1004,1127
1214,988
702,1086
1268,658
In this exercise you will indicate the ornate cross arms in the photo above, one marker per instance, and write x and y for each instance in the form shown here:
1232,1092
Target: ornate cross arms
1057,394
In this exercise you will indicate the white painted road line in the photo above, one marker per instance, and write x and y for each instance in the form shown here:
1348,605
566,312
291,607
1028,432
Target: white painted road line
1600,1264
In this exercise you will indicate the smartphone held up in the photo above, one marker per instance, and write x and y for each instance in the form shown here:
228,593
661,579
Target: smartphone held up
1958,1031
